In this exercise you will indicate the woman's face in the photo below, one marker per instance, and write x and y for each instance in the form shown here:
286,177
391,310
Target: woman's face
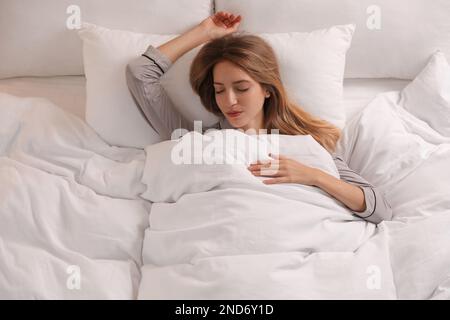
239,97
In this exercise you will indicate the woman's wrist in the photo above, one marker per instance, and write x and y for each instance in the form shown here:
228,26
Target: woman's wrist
350,195
184,43
200,35
318,177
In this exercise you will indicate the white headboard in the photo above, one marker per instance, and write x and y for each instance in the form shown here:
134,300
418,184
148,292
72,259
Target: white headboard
35,40
393,38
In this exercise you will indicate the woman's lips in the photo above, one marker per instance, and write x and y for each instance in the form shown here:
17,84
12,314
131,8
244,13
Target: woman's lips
234,114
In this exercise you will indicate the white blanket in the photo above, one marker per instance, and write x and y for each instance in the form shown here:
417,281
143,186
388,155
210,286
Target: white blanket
409,161
75,220
71,221
218,232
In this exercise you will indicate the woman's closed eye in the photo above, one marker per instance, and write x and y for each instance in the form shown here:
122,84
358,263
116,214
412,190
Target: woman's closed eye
240,90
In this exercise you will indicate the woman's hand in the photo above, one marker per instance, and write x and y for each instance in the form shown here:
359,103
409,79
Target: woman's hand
285,170
220,24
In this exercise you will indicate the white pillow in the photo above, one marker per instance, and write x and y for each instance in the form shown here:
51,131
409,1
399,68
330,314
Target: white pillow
379,145
393,38
428,96
312,67
110,109
401,155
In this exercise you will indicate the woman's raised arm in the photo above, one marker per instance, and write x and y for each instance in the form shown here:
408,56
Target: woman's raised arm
215,26
144,72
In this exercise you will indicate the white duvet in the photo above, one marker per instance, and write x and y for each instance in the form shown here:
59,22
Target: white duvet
71,220
76,220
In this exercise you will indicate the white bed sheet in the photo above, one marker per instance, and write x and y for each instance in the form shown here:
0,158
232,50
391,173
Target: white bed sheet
359,92
72,223
69,92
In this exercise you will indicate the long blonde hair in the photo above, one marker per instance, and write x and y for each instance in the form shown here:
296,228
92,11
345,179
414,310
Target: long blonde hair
254,55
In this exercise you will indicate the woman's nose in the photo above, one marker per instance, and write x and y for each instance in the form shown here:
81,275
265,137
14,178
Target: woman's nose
231,98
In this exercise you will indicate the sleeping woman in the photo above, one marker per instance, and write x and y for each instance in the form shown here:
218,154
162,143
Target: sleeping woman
237,78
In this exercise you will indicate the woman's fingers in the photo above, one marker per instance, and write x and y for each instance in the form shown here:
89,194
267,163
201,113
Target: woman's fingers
269,173
273,168
223,16
267,170
227,19
278,156
269,165
236,21
218,21
259,162
266,163
276,180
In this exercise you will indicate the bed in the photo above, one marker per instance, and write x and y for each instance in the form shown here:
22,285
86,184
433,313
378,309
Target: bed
87,215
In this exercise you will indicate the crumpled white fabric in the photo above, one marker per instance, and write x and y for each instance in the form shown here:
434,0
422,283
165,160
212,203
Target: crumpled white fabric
72,221
217,232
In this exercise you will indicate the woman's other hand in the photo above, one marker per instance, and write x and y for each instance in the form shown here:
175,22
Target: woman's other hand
221,24
284,170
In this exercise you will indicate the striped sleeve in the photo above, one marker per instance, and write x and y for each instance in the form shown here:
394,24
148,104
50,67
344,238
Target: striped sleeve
143,75
377,206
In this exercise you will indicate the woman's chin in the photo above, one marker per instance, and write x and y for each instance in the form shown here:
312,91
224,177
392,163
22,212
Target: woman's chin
236,123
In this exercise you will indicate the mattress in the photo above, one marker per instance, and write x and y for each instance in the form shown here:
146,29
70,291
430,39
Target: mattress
69,92
359,92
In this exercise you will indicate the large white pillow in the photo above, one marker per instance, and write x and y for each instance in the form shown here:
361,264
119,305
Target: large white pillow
36,39
110,109
379,146
393,38
312,66
401,155
428,96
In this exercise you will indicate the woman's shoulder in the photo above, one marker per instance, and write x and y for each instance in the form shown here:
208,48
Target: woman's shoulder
337,157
